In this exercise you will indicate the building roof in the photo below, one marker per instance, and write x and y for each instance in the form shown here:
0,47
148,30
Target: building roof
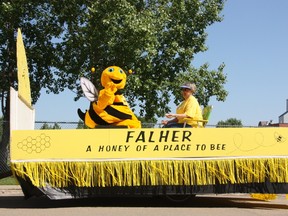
278,125
283,114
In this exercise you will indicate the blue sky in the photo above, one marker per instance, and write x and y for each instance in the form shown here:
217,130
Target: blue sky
252,41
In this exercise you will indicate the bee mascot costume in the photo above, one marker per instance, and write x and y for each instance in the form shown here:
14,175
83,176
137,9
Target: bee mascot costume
110,106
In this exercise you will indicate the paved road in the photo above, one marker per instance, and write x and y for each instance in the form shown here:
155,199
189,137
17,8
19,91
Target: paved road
12,203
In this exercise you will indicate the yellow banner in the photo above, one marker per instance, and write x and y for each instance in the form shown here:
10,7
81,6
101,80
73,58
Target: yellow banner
23,76
98,144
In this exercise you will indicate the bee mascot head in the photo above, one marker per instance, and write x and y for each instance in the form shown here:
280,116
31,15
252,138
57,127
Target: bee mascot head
114,75
110,107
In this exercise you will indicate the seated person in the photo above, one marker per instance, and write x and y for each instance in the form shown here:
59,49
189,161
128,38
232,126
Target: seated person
187,112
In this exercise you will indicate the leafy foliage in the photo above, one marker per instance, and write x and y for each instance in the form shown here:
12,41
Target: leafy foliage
231,122
81,125
1,127
46,126
157,39
150,123
40,28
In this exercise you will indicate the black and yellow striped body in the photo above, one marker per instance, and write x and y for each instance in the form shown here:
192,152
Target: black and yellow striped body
115,114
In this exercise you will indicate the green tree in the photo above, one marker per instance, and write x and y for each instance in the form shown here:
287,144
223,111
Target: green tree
81,125
56,126
40,27
46,126
156,39
1,128
231,122
150,123
64,39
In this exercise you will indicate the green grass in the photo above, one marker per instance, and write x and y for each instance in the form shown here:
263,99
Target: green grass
9,181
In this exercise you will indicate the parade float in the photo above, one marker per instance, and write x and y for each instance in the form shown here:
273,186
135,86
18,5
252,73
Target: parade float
135,161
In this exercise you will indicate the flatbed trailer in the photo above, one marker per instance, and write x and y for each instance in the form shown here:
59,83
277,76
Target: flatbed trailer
81,163
184,161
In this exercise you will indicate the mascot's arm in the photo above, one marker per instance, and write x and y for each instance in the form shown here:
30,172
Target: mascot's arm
106,96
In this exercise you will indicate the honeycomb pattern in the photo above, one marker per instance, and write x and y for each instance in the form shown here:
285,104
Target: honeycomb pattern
38,144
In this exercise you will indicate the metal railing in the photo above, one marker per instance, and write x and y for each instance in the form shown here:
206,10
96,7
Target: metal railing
78,125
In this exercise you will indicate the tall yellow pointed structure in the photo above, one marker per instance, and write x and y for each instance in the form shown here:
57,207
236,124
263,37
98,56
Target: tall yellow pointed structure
22,114
23,75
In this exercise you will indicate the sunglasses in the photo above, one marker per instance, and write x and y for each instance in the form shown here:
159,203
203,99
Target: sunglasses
185,89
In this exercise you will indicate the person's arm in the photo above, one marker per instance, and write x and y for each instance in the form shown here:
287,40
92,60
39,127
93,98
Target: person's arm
171,115
165,122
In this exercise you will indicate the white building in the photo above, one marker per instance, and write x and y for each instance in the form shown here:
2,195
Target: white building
284,117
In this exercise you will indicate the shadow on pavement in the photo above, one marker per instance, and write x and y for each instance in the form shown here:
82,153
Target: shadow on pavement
193,202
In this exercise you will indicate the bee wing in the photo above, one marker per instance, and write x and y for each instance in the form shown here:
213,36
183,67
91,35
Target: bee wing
89,89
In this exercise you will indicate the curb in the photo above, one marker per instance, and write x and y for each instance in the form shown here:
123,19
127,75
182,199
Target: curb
10,190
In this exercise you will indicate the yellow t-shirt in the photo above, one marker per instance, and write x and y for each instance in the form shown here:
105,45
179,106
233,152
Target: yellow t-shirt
191,108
